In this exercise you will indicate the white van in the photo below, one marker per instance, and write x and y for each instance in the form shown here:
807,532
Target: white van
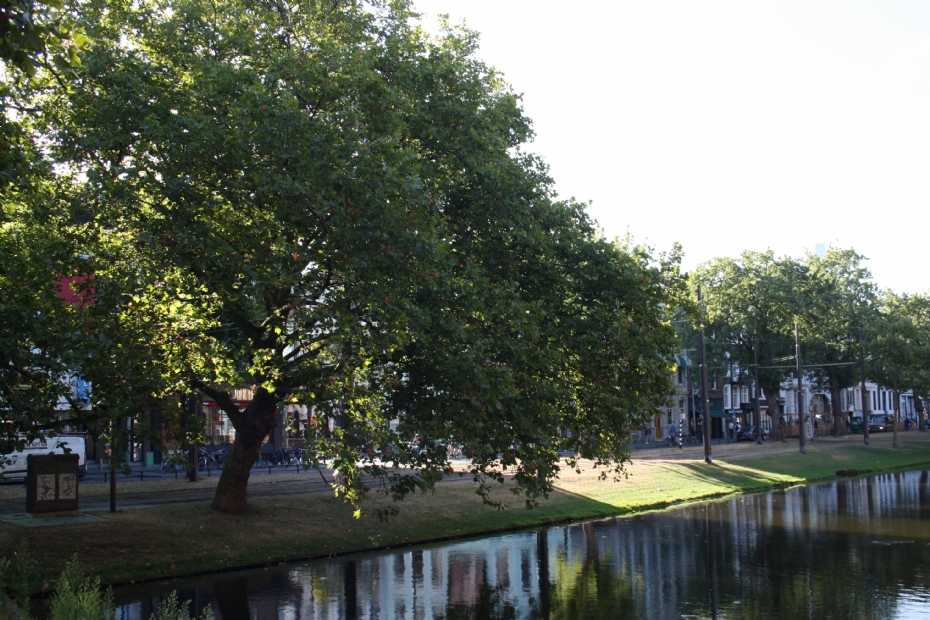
13,462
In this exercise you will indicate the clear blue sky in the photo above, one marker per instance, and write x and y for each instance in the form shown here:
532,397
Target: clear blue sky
728,126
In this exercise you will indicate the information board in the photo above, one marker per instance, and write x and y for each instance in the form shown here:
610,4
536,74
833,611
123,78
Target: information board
52,484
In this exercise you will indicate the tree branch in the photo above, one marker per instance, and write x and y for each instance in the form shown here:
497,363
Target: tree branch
222,399
250,329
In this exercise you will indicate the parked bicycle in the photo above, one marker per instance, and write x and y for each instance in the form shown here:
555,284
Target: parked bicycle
689,439
279,456
220,456
207,460
176,461
285,456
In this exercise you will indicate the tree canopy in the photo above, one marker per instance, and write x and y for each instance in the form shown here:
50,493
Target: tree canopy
841,300
750,304
899,340
323,202
753,302
33,34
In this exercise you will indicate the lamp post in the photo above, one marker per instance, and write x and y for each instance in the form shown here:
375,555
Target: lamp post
802,430
756,390
865,393
705,400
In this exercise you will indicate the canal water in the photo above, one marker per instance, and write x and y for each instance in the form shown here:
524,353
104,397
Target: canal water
852,549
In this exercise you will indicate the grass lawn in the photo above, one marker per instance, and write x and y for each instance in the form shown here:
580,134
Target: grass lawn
820,463
175,539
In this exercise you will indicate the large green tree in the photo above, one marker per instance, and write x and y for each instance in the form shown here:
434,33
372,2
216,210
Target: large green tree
53,330
750,305
899,341
37,243
321,201
841,300
40,260
33,319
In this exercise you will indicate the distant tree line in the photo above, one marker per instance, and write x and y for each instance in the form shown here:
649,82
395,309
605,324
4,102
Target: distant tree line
751,305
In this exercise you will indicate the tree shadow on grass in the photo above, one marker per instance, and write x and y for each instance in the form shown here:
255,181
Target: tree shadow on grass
735,477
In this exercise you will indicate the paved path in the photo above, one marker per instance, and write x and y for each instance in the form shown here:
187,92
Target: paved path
163,489
166,490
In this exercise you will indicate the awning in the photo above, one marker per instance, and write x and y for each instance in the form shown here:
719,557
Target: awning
715,413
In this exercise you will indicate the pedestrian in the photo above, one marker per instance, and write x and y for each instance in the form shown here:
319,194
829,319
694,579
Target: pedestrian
738,429
730,427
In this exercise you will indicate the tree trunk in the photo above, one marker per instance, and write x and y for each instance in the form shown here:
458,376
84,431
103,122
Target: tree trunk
919,409
252,426
839,416
774,412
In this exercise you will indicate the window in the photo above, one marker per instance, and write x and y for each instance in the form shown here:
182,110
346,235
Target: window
736,400
744,394
681,405
726,396
681,375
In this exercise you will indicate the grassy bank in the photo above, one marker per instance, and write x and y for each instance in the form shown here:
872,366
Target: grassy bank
176,539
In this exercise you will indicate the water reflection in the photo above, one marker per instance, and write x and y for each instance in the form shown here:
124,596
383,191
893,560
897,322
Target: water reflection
855,549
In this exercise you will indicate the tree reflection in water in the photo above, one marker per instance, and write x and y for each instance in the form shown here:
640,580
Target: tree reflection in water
590,588
490,604
856,549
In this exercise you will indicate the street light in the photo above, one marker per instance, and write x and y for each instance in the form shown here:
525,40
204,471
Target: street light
865,394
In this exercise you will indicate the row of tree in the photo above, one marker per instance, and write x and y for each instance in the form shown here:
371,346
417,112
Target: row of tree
321,202
752,303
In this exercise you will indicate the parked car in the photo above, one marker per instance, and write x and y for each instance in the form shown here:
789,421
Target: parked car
879,424
13,462
749,434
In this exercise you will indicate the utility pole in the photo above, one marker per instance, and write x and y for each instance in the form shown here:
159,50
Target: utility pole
705,400
802,430
865,394
758,395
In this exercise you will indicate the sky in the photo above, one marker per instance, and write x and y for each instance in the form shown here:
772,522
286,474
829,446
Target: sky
729,126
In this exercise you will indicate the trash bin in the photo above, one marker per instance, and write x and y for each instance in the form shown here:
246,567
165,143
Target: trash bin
149,459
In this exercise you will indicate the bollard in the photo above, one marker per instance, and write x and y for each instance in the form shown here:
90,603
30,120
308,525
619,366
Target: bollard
175,474
104,477
141,476
269,470
209,472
